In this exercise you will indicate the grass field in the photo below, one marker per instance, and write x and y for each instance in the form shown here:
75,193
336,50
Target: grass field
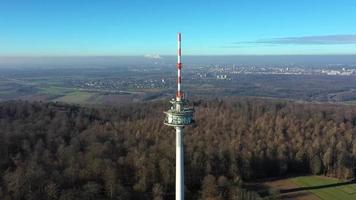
77,97
327,188
56,91
350,102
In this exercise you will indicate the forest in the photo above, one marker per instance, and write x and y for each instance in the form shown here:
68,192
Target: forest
64,152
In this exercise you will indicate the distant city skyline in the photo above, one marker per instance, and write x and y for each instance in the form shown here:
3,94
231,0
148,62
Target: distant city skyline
148,28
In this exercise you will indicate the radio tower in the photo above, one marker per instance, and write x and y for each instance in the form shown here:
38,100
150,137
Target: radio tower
179,116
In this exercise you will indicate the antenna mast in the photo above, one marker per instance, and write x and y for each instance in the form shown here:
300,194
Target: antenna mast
178,117
179,95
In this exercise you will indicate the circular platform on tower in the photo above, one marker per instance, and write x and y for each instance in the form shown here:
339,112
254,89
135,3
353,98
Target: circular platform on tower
179,115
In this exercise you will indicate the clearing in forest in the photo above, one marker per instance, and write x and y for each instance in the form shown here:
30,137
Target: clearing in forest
326,188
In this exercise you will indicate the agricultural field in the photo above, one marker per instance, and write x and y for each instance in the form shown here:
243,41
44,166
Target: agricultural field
307,188
77,97
327,188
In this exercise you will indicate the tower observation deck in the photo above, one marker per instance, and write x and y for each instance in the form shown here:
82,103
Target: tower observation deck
178,117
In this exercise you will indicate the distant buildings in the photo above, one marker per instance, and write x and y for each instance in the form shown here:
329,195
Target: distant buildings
221,77
343,72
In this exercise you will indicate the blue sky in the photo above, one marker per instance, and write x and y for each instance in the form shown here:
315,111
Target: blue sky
132,27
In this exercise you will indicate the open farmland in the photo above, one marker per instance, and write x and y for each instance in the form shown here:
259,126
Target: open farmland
307,188
327,188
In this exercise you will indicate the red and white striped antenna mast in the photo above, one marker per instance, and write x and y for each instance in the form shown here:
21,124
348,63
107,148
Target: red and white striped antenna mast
179,95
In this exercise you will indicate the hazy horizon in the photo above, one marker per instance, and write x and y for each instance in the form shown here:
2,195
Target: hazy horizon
112,61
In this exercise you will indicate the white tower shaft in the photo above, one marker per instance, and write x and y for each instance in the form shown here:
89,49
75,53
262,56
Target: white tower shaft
179,164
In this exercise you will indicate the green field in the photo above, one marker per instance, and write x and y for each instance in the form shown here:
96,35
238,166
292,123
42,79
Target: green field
350,102
77,97
327,188
55,91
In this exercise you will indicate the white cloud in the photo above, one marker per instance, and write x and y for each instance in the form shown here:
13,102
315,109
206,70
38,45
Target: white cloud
153,56
304,40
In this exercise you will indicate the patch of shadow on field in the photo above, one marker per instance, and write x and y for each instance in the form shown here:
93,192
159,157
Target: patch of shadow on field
272,188
298,195
297,189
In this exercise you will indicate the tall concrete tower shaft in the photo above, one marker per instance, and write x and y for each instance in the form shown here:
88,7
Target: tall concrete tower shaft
179,116
179,163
